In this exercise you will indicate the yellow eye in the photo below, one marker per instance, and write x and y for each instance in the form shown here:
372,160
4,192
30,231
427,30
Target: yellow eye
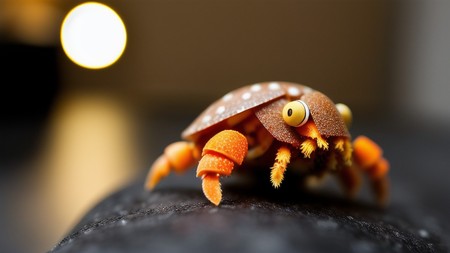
346,113
295,113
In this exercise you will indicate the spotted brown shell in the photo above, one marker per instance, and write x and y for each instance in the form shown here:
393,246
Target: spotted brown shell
252,96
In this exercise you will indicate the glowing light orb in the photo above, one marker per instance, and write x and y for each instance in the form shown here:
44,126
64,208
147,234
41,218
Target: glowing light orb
93,35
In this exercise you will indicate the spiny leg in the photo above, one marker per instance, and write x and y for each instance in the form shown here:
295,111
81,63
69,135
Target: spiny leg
178,156
308,146
219,155
351,180
344,146
279,167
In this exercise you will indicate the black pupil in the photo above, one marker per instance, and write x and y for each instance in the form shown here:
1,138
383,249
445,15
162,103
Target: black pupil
289,112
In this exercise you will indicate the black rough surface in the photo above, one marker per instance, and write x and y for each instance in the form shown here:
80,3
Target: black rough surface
254,217
182,220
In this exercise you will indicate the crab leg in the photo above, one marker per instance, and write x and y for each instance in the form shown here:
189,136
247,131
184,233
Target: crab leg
219,155
178,156
351,180
281,161
309,145
369,157
344,146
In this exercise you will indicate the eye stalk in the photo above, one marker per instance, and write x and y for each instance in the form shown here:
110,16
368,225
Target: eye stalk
295,113
346,114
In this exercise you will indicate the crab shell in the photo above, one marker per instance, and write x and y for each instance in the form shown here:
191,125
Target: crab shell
266,101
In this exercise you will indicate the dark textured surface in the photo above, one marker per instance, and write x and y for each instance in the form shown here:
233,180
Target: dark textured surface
176,217
181,220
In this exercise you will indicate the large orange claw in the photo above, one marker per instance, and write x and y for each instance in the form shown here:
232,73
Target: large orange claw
369,156
229,143
366,152
218,158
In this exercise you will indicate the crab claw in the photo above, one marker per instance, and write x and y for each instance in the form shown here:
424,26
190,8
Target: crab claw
219,155
369,156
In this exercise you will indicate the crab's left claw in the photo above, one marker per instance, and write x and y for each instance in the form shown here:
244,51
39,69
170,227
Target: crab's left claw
369,157
219,155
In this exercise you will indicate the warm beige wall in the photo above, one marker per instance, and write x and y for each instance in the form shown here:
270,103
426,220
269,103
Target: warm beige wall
422,68
191,52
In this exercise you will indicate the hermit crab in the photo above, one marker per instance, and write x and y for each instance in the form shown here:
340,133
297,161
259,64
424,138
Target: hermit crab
296,127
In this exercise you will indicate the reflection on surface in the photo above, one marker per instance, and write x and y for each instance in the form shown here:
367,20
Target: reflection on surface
89,154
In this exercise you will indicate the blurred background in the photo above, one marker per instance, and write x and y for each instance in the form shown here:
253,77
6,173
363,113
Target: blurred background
70,136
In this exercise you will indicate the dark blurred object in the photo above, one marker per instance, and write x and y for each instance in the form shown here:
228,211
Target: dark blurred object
29,80
248,220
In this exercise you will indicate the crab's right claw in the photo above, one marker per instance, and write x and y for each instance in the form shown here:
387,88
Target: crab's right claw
219,155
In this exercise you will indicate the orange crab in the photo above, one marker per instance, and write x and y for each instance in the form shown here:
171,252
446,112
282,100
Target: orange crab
300,124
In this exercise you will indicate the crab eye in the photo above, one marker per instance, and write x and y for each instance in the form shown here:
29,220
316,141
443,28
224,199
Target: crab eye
295,113
346,113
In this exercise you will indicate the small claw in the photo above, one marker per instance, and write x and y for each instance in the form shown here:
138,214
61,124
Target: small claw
211,188
159,170
281,161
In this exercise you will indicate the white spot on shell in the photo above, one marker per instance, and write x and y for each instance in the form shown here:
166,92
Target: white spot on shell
206,118
293,91
246,96
255,87
227,97
274,86
220,109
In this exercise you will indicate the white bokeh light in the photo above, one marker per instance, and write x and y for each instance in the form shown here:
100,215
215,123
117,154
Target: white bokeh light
93,35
